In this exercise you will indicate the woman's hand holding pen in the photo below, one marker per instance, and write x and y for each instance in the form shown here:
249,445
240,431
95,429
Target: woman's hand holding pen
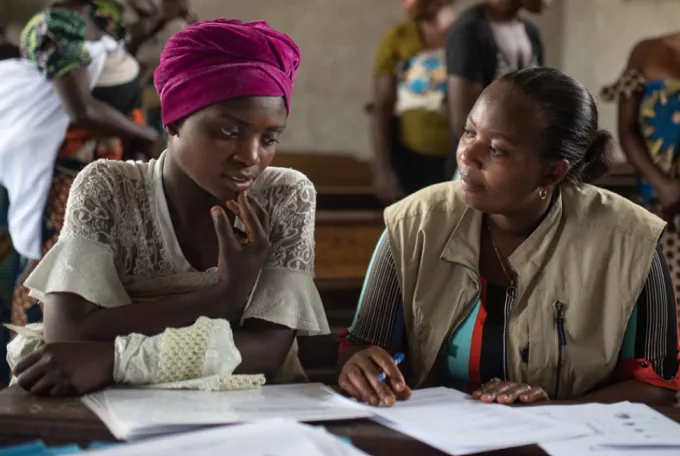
361,378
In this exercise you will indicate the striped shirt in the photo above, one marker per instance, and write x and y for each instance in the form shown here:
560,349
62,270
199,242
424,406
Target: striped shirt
475,352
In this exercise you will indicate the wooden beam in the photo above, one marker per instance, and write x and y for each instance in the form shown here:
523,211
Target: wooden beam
623,175
328,170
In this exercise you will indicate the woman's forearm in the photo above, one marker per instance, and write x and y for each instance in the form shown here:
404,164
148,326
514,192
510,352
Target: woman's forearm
385,95
85,111
69,317
263,346
632,142
380,121
636,152
101,119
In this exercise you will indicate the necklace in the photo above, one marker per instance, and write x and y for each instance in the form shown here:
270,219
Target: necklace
511,290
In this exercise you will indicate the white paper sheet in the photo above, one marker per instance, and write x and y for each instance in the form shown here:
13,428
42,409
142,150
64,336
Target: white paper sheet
133,413
266,438
618,427
588,446
454,423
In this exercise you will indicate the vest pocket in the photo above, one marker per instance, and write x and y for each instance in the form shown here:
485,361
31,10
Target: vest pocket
561,343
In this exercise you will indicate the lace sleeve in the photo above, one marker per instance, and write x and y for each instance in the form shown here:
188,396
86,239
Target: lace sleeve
83,261
630,83
90,211
285,292
292,226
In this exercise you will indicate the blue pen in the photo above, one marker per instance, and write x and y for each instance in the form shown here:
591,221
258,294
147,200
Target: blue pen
398,358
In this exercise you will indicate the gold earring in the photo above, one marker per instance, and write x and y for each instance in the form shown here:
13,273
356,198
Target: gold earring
542,193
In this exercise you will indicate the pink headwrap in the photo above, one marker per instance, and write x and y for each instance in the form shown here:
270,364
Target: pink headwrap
219,59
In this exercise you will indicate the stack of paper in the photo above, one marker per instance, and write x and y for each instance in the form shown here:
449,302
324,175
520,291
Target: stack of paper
443,418
455,424
452,422
266,438
622,429
136,413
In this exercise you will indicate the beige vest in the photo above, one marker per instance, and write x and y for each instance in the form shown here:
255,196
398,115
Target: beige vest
578,278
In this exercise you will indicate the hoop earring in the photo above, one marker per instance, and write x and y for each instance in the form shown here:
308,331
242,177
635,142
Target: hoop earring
542,193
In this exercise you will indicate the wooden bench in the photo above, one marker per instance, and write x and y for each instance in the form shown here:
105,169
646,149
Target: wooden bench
345,241
344,245
621,180
327,170
342,182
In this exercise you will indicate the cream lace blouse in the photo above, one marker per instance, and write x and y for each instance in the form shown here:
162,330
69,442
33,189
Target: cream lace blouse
118,245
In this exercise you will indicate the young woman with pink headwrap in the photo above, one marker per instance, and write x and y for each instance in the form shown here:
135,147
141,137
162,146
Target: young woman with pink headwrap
148,247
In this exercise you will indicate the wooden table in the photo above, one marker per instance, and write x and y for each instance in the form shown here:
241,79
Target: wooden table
66,421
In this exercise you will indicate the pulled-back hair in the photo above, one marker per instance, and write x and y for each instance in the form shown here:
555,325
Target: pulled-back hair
570,122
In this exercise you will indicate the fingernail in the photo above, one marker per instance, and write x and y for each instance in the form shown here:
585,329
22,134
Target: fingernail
374,399
215,212
503,397
399,386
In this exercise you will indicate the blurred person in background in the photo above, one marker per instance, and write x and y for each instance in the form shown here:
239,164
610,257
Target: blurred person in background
148,52
8,258
409,123
73,98
648,95
407,5
488,41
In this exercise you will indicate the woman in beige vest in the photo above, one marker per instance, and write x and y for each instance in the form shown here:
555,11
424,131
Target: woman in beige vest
521,277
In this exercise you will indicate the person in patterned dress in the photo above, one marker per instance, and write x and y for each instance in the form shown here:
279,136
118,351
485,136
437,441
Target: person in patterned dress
648,96
409,123
101,120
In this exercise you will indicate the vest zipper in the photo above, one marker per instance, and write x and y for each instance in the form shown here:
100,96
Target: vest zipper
561,342
509,304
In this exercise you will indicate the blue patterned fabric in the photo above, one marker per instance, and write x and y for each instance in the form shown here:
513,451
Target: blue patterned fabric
659,117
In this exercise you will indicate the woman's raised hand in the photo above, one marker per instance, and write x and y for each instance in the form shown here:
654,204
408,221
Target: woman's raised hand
241,253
